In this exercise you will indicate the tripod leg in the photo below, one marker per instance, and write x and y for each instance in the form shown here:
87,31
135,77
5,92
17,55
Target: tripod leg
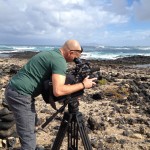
73,134
83,133
62,130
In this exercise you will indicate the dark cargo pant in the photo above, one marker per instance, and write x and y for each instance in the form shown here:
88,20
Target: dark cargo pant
23,109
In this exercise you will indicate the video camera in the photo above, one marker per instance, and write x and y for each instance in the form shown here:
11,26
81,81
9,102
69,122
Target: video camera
84,69
76,75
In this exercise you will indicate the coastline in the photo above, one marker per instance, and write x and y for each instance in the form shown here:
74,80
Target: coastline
116,111
129,60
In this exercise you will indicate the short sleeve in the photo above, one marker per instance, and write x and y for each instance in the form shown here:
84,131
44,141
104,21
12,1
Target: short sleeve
59,67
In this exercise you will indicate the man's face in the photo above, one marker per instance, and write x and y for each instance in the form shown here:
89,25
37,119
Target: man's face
73,53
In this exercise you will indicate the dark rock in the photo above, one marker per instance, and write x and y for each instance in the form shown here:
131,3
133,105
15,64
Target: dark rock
127,133
147,122
122,141
112,122
5,103
140,120
14,69
133,97
142,130
38,121
120,121
117,108
25,55
148,135
120,126
143,78
100,145
11,141
56,127
58,118
39,148
131,121
109,94
7,118
147,110
94,143
47,111
6,125
97,96
111,139
93,125
112,113
101,126
4,111
121,101
7,133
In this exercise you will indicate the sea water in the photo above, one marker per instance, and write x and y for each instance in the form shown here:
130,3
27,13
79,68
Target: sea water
90,52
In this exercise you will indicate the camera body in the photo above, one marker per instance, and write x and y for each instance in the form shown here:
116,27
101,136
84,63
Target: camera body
84,69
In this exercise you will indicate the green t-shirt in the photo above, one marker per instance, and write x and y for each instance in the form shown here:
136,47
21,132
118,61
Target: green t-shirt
29,80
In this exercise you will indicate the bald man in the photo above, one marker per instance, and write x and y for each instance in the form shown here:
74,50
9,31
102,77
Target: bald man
27,83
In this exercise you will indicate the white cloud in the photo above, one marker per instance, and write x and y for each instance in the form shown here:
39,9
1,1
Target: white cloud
61,13
131,38
118,7
47,20
142,9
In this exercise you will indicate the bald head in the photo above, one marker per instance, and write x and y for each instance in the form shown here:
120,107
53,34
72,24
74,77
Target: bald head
72,45
70,50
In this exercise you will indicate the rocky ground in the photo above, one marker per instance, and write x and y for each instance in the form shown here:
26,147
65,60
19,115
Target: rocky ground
116,111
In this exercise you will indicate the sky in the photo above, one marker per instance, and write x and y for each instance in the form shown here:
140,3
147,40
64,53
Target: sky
91,22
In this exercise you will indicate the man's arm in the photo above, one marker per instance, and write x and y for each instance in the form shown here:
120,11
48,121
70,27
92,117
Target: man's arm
60,89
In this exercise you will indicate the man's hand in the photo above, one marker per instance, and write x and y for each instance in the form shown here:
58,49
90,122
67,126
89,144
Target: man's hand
88,83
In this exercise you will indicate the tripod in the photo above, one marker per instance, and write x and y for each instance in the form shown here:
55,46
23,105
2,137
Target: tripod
72,122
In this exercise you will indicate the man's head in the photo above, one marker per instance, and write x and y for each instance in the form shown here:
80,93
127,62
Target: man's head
71,49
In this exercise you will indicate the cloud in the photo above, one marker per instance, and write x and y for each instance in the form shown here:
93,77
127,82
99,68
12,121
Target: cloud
42,18
36,21
142,10
123,38
118,7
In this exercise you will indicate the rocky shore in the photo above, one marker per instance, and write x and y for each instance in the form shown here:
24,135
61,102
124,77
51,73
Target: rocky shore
116,111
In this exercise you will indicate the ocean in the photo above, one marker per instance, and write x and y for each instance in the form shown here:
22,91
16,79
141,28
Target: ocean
90,52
